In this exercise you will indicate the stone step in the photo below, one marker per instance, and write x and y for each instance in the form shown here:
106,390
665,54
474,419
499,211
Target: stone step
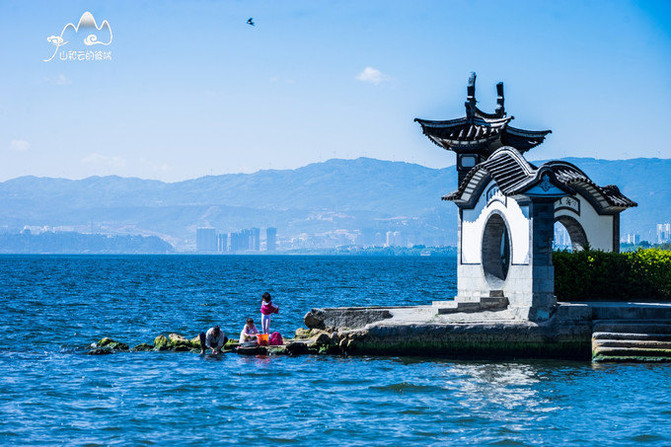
629,336
633,327
448,303
460,307
629,359
484,303
639,340
486,300
650,344
632,352
471,307
494,301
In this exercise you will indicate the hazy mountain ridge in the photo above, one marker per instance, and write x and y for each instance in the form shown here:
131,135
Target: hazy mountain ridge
336,194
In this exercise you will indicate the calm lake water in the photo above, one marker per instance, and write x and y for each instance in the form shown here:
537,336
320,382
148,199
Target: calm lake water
51,393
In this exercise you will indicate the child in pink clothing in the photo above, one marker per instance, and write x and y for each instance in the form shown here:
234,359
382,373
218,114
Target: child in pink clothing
248,332
267,309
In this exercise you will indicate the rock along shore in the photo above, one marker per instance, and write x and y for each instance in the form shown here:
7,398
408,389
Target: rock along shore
305,342
598,331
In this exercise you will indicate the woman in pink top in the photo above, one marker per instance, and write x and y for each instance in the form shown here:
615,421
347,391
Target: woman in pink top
267,309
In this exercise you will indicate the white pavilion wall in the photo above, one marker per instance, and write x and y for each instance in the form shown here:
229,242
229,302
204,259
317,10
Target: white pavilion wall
471,281
598,228
474,221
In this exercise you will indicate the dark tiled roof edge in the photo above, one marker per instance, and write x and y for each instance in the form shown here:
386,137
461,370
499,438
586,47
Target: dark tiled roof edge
514,174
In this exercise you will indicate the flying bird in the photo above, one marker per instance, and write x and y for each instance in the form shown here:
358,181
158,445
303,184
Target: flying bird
250,21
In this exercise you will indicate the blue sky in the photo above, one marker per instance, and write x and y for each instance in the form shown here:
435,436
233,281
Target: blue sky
193,90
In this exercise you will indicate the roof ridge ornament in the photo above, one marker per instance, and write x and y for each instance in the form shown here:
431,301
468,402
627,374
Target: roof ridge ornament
470,96
471,109
500,109
476,136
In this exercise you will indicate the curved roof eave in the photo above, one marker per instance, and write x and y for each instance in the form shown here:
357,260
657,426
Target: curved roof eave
514,175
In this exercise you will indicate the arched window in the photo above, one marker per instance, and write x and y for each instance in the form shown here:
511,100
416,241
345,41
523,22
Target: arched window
569,234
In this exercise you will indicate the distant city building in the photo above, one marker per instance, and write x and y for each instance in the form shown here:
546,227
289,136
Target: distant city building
222,242
271,239
248,239
206,240
255,239
393,239
663,233
239,241
632,238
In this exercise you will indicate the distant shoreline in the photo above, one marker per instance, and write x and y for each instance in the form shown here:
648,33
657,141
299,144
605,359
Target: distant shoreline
447,254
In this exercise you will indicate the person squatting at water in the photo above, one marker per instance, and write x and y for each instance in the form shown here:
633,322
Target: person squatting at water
267,309
214,339
249,331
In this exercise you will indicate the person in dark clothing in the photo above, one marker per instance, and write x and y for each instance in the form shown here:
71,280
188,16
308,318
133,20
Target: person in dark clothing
213,339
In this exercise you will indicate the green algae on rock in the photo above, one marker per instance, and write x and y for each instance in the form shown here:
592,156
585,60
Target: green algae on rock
302,333
114,345
161,343
143,347
179,343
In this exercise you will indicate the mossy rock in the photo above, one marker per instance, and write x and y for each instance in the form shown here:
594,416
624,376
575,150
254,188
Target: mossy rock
177,338
300,347
143,347
114,345
303,334
277,350
343,343
323,339
161,342
104,342
180,343
101,351
230,344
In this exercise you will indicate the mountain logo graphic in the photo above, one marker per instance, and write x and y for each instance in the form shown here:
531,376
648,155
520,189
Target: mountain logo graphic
94,34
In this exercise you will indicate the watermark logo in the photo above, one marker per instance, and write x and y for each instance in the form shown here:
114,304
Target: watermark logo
87,32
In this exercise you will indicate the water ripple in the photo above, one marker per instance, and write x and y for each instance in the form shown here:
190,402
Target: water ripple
51,394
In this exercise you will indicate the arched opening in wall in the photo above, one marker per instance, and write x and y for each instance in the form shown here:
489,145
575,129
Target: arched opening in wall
496,251
569,234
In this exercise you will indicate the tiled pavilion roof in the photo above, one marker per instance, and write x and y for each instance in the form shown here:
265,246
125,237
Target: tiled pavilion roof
514,175
480,131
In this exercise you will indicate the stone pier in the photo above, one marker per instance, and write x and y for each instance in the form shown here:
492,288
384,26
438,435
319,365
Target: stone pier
484,334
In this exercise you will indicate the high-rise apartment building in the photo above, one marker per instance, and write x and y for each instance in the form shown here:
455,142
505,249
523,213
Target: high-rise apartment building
663,233
632,238
254,239
222,243
271,239
206,240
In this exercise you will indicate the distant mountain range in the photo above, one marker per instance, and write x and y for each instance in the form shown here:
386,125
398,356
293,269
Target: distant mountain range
320,197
